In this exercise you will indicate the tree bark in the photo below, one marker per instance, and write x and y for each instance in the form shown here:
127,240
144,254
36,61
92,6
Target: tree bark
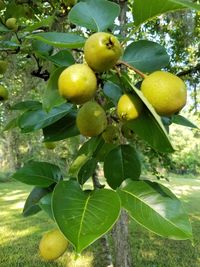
122,249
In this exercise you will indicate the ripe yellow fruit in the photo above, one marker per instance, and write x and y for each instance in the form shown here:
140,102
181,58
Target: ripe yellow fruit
166,92
111,134
52,245
3,66
91,119
77,83
129,107
102,51
11,23
3,93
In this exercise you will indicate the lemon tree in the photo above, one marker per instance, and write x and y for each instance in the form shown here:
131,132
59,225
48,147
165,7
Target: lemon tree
92,91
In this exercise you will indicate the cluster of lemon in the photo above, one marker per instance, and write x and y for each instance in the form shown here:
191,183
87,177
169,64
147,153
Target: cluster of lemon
78,84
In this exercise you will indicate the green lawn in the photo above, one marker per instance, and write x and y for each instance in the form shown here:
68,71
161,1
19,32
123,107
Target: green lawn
19,237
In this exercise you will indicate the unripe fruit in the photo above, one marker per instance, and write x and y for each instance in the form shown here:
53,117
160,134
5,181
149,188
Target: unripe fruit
102,51
11,23
166,92
129,107
3,66
111,134
52,245
3,93
91,119
50,145
77,83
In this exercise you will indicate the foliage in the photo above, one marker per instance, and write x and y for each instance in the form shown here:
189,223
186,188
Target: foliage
54,43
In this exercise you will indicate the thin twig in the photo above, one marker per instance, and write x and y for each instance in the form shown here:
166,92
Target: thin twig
132,68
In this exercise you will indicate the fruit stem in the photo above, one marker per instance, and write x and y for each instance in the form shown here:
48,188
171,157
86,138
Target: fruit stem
132,68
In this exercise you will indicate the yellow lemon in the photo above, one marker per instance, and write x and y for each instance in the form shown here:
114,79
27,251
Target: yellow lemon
91,119
129,107
102,51
52,245
166,92
77,83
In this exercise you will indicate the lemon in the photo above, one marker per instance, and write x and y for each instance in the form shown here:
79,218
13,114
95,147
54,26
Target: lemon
102,51
129,107
91,119
52,245
77,83
166,92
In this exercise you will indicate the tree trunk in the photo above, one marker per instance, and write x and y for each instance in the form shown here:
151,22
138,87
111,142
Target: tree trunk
122,249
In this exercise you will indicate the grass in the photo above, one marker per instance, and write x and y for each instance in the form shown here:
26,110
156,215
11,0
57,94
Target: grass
19,237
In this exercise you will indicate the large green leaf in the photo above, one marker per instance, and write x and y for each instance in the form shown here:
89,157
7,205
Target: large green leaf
31,206
151,8
63,58
41,174
149,125
51,97
96,15
62,129
84,216
38,119
156,208
145,55
60,39
120,164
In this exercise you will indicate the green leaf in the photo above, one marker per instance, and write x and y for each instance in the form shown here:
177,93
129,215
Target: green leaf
41,174
86,152
63,58
156,208
87,170
113,91
62,129
11,124
35,120
146,56
143,12
31,206
95,15
84,216
60,39
45,204
27,105
3,28
120,164
51,97
178,119
149,126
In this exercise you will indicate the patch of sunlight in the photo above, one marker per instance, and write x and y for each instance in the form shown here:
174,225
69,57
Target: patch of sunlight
85,260
9,235
17,205
184,190
13,197
151,255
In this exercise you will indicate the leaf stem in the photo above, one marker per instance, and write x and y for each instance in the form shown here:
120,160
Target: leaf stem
132,68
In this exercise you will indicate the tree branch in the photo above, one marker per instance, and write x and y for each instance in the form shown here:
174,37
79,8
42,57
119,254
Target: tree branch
189,71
